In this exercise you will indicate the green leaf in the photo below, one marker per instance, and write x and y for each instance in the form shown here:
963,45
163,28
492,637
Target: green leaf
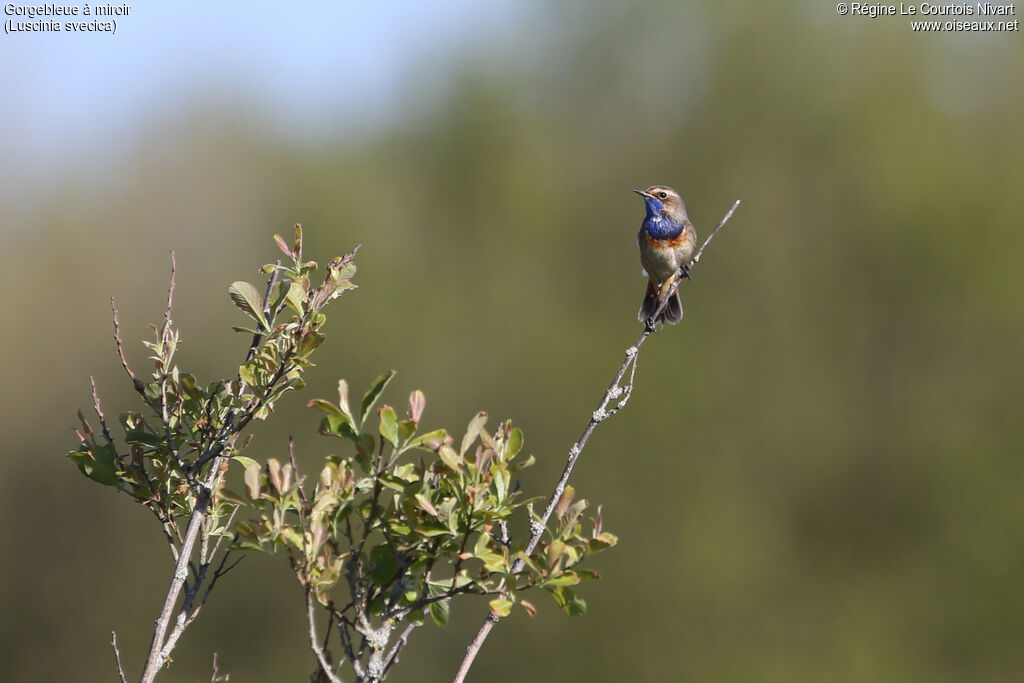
430,441
326,406
292,536
244,460
97,463
280,294
502,479
567,579
439,612
336,423
228,496
447,513
245,296
500,607
296,297
472,430
364,444
406,428
143,438
310,341
515,443
188,384
567,600
426,505
601,542
384,566
461,579
528,562
449,457
373,393
520,466
392,484
492,560
389,424
247,373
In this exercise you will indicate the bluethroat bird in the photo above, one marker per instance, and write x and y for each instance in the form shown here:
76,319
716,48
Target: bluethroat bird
667,240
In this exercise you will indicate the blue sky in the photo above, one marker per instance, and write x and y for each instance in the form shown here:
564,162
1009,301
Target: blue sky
68,96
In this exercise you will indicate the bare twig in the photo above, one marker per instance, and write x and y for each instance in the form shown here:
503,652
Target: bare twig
99,412
220,539
222,569
402,641
314,640
166,334
616,390
258,337
346,642
170,291
330,625
216,671
117,656
136,382
187,614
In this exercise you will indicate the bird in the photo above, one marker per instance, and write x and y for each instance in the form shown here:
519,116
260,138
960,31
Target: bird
667,240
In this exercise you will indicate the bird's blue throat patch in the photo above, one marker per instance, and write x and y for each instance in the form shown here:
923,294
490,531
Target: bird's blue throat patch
658,225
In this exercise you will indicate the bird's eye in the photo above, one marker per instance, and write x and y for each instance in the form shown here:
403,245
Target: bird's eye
662,194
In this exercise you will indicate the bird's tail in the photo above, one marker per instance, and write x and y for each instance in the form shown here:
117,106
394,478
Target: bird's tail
673,312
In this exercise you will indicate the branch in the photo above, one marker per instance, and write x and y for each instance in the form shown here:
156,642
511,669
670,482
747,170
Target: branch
156,657
117,656
170,291
258,337
217,448
187,614
99,413
136,382
685,270
402,641
166,334
162,644
314,640
615,390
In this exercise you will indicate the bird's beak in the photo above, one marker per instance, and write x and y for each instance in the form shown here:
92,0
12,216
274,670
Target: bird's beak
643,194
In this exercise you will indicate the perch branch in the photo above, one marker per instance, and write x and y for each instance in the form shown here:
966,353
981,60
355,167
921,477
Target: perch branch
616,390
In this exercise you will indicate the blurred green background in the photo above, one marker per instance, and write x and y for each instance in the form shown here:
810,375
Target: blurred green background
819,476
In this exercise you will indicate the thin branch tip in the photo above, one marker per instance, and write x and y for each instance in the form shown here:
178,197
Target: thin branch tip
650,324
117,657
170,289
